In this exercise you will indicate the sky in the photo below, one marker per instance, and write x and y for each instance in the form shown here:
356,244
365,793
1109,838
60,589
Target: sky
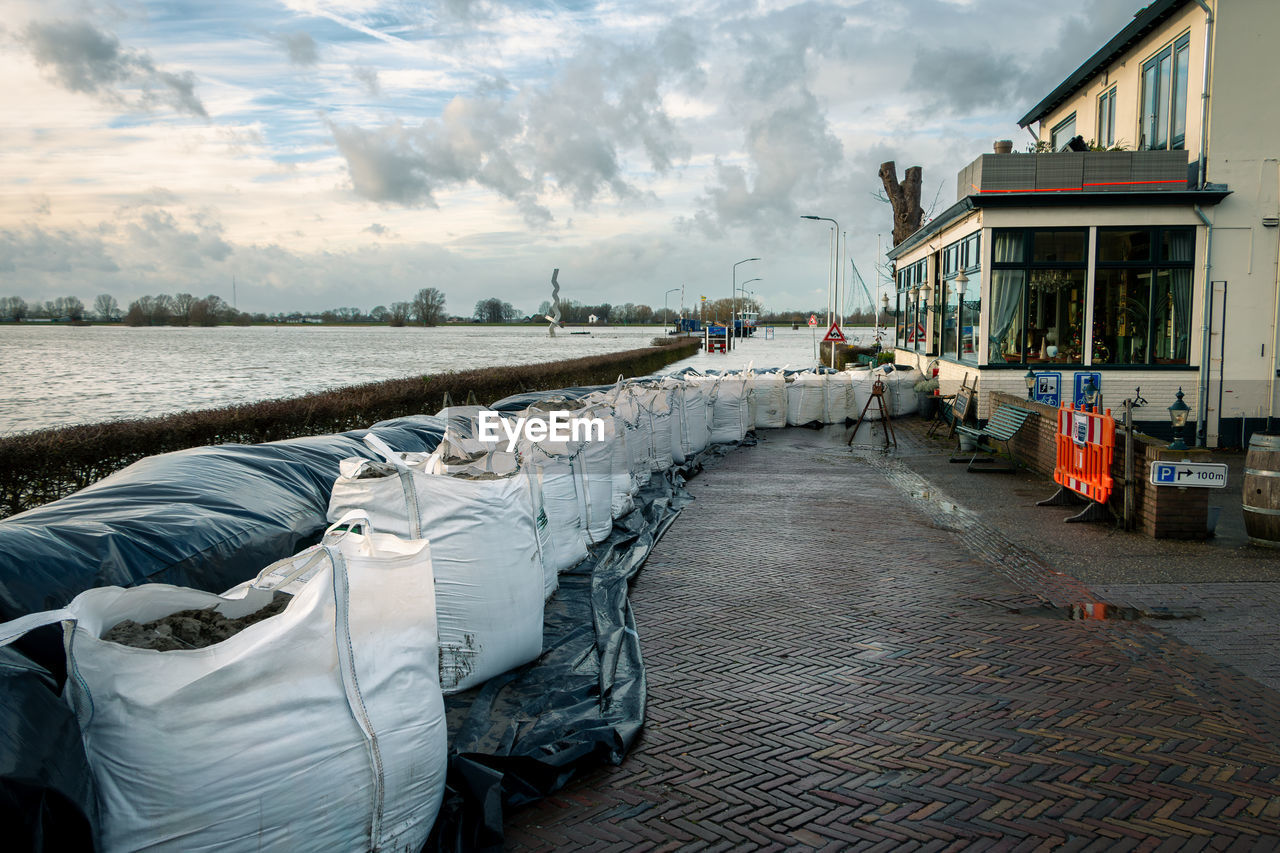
346,153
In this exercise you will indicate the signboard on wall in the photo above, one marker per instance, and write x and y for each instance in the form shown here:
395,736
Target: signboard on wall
1047,389
1081,380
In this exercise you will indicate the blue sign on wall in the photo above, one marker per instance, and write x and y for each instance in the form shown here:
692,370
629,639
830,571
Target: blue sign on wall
1080,380
1048,389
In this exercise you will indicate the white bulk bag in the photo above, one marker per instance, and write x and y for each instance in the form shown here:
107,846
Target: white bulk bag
638,430
485,549
655,407
590,460
674,395
806,399
623,485
695,427
837,391
320,728
769,393
726,407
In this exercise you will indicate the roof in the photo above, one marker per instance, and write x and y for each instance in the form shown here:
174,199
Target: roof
1212,194
1142,24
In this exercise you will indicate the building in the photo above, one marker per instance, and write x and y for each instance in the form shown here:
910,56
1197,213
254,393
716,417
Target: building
1153,265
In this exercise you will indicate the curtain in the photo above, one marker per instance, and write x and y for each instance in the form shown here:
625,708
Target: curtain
1007,287
1182,247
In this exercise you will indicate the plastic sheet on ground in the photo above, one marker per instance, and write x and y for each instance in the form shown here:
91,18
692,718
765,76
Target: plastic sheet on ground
524,734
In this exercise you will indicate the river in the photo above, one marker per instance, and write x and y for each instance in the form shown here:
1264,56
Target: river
62,375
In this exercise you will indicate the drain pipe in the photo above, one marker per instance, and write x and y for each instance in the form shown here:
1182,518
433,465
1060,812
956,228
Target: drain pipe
1202,398
1204,94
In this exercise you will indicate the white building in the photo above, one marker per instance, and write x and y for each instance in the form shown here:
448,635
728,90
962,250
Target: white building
1157,266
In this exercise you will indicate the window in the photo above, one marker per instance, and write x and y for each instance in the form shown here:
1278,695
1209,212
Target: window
1037,296
1107,118
959,320
1142,296
1062,133
909,314
1164,97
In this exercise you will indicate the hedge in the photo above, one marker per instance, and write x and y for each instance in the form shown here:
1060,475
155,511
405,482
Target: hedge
38,467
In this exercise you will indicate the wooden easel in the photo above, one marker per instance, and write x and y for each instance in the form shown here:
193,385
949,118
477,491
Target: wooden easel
877,397
959,404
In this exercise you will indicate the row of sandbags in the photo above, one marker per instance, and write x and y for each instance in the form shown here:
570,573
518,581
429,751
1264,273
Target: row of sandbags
431,580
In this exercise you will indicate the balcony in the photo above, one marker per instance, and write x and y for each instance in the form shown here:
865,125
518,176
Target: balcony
1084,171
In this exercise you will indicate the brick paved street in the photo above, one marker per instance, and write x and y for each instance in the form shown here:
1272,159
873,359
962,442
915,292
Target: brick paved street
831,666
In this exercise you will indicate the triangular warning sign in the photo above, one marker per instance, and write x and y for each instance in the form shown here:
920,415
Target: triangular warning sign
834,334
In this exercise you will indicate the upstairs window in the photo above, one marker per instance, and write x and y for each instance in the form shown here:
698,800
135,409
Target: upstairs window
1062,133
1107,118
1164,97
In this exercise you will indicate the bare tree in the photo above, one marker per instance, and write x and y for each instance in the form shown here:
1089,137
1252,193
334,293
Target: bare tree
106,308
400,313
905,198
13,308
494,310
428,306
182,304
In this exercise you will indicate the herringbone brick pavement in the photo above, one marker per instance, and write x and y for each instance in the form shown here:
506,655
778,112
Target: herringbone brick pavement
831,669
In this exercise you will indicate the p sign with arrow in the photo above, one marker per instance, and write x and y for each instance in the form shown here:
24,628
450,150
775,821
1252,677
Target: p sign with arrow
1200,475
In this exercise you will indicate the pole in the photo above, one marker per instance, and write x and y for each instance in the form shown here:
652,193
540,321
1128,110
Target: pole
833,277
733,294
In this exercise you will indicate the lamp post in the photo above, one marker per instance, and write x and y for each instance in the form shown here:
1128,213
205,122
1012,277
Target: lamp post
962,284
1030,380
665,317
834,279
926,290
1178,418
884,299
733,294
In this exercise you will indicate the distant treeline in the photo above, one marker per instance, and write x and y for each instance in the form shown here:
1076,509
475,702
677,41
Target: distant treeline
426,308
38,467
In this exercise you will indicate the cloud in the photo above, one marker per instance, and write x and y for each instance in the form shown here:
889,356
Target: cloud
81,58
368,78
300,47
571,134
960,79
378,229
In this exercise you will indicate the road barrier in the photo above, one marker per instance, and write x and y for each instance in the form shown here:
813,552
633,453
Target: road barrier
1085,443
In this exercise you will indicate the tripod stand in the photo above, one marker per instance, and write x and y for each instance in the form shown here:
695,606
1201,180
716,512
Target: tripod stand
877,397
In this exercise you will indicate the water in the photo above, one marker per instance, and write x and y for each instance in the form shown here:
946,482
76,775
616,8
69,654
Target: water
62,375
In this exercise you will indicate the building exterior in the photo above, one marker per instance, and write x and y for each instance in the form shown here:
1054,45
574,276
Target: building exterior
1152,266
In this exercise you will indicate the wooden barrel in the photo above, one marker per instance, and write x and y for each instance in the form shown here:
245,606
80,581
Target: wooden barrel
1262,490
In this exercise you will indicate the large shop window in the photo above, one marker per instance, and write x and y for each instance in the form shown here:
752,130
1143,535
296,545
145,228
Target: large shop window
1037,296
1142,298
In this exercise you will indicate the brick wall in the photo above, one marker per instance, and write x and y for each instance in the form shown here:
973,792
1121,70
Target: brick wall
1162,512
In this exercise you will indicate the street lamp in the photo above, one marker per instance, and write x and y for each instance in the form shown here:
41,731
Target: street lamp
1030,380
835,277
1178,417
733,295
665,316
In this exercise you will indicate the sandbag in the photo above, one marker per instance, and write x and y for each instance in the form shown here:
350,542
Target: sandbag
485,553
695,426
622,484
655,406
806,399
673,389
590,460
837,392
769,394
295,733
638,431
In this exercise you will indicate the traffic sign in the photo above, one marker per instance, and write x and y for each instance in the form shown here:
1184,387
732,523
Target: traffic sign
813,321
834,335
1082,379
1201,475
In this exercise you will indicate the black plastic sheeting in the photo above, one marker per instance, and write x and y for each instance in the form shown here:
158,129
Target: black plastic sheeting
46,793
524,734
207,518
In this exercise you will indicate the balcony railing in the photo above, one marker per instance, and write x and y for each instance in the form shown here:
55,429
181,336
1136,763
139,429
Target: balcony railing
1084,171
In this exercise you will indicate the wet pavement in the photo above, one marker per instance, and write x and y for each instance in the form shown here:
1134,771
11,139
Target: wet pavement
857,650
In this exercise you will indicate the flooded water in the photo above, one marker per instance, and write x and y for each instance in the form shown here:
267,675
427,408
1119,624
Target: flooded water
61,375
